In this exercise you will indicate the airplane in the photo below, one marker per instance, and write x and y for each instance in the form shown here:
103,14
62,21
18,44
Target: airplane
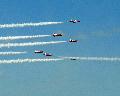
57,34
73,59
47,54
73,40
74,21
38,51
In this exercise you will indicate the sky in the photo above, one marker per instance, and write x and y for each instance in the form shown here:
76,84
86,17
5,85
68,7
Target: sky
98,34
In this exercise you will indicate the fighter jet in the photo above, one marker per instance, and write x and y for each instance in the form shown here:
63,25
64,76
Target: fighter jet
57,34
47,54
38,51
73,59
74,21
73,40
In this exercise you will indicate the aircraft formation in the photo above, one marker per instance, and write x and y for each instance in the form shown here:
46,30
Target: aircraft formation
39,51
58,35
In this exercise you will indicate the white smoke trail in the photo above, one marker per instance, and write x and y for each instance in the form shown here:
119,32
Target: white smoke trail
22,37
29,44
28,24
27,61
94,58
12,53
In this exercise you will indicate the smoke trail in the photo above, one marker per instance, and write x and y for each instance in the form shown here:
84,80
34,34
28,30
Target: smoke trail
12,53
95,58
22,37
29,44
28,24
27,61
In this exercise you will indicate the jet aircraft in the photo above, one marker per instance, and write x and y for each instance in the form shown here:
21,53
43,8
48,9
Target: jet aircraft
57,34
47,54
73,40
74,21
38,51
